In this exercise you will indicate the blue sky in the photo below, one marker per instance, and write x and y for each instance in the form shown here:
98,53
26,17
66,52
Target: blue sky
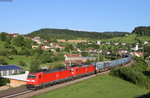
25,16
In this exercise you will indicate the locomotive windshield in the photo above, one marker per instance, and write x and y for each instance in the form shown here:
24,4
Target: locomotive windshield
31,76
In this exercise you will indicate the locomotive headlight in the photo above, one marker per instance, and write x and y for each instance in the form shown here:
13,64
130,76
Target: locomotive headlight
32,80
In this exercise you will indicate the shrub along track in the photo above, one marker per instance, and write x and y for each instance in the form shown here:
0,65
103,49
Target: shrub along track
28,93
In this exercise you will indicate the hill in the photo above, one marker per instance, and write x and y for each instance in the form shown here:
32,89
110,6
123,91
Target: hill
130,38
142,31
71,34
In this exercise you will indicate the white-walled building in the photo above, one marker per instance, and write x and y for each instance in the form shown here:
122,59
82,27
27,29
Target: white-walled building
135,48
17,80
6,70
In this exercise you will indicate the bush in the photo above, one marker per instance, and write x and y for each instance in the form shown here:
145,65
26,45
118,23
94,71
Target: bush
3,62
4,52
14,51
35,66
3,81
133,74
21,63
3,36
46,58
140,64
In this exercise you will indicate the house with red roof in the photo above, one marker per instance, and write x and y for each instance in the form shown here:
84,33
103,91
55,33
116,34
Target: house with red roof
12,34
138,54
76,59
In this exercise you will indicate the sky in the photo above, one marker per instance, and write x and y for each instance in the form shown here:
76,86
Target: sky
25,16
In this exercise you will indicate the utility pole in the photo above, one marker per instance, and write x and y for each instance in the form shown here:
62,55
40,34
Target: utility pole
143,50
143,47
98,55
70,57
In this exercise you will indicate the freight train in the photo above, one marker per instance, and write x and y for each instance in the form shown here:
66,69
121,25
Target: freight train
50,77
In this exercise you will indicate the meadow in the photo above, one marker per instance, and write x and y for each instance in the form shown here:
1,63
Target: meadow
131,38
104,86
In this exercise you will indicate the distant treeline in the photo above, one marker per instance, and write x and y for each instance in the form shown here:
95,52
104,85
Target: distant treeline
71,34
142,31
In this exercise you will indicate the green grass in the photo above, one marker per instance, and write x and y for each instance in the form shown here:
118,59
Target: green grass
1,45
103,86
27,60
17,58
128,39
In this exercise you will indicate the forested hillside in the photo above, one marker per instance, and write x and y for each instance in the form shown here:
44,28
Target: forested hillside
71,34
142,31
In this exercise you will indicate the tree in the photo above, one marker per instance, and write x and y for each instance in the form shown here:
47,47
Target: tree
18,41
34,66
58,49
27,52
85,53
142,31
39,50
4,52
3,36
69,47
44,58
14,51
27,43
3,81
7,45
21,63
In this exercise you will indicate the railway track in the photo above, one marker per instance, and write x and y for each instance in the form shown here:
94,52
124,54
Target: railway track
13,91
22,92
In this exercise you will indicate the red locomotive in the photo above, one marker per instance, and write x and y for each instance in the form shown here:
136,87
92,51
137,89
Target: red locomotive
52,76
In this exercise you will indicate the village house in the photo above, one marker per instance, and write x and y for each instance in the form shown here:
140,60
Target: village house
17,80
98,42
145,42
12,34
46,41
34,46
84,59
77,59
44,47
135,48
6,70
36,39
73,58
137,54
56,45
116,43
123,44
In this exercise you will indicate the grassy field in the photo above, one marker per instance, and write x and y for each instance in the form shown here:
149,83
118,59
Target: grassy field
103,86
17,58
128,39
1,45
27,59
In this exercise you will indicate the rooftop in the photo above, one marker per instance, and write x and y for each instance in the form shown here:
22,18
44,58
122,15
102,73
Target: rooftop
9,67
72,55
